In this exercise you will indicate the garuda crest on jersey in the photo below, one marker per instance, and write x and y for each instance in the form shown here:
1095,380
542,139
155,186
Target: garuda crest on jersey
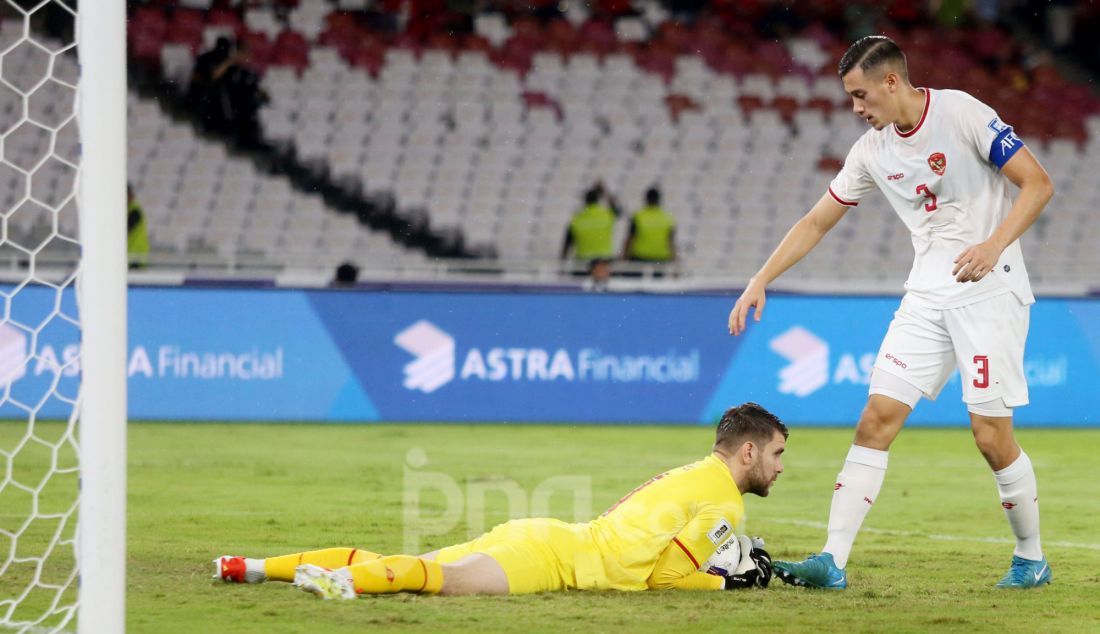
938,163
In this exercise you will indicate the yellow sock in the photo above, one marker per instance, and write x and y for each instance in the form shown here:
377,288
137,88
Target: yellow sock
397,573
282,568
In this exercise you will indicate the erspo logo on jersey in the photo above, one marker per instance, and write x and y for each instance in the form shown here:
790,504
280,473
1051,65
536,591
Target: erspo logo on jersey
436,363
808,370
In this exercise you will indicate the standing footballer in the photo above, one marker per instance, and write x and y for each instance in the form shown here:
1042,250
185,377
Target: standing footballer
944,160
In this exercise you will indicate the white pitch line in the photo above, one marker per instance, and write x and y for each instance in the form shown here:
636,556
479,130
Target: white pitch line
940,537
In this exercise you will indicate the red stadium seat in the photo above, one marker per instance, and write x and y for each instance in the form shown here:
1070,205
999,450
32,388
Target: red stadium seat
260,49
674,36
144,47
515,54
679,104
185,33
749,104
147,20
225,17
657,60
188,19
474,42
822,104
295,58
442,41
542,100
562,37
369,58
786,106
292,41
597,36
737,60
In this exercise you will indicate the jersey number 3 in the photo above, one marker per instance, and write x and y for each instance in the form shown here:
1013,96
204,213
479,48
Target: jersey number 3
982,362
930,206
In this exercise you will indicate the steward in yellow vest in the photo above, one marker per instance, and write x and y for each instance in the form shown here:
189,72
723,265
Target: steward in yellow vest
137,233
591,231
652,232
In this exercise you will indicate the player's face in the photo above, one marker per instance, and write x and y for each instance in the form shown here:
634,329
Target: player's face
767,465
872,96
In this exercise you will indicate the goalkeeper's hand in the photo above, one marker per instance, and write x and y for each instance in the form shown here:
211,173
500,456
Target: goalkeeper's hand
755,568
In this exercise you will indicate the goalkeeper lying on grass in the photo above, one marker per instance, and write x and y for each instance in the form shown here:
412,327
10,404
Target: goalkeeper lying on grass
660,535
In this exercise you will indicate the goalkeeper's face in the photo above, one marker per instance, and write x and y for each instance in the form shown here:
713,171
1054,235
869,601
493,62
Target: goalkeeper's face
766,466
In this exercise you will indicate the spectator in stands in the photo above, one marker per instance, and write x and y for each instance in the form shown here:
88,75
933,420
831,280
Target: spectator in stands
652,236
137,233
599,276
204,92
246,98
225,93
591,231
347,274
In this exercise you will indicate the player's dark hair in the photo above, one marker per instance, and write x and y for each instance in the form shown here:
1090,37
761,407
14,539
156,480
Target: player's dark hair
747,423
653,197
592,196
873,51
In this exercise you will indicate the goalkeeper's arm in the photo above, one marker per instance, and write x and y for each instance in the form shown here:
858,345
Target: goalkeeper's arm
675,569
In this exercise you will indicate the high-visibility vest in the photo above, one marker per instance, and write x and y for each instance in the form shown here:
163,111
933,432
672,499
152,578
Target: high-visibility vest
137,240
592,229
652,229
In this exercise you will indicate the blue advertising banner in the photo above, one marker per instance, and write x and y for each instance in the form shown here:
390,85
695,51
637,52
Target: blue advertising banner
217,354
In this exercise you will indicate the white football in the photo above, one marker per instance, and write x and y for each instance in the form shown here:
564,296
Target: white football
725,559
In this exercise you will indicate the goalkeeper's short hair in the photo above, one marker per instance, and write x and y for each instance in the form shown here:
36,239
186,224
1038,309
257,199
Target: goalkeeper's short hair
745,423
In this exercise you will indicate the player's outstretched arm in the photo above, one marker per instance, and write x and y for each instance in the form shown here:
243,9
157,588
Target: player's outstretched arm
800,240
676,570
751,568
1036,189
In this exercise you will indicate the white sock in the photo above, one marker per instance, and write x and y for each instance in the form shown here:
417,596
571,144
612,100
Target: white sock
254,570
857,487
1020,500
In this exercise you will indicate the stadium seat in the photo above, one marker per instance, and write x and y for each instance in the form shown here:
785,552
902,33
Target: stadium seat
500,132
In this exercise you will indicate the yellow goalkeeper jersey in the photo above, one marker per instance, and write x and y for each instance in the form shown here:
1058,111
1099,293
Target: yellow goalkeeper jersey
659,534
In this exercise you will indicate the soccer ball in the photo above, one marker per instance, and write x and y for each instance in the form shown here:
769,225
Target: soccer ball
731,557
725,559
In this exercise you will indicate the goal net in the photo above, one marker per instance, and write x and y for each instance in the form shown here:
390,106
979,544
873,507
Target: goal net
62,329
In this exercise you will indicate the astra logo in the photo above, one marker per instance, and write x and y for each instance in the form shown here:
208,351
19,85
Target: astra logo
434,365
438,362
13,354
808,355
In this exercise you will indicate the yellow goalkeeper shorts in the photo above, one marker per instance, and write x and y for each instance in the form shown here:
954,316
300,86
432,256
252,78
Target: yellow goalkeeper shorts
537,554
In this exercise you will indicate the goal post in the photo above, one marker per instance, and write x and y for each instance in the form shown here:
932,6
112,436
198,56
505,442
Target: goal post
101,288
63,326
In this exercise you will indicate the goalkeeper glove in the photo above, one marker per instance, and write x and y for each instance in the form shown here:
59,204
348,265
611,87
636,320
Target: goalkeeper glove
755,568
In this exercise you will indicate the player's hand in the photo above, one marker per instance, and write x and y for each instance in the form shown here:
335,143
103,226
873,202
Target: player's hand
757,574
754,295
976,262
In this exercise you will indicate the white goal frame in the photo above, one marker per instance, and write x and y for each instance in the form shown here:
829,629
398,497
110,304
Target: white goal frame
101,198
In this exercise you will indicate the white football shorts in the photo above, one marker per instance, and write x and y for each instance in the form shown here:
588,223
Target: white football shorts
984,340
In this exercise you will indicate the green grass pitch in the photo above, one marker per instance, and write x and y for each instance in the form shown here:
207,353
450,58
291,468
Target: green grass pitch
932,548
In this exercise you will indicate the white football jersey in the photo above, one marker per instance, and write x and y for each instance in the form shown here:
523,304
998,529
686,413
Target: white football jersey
944,180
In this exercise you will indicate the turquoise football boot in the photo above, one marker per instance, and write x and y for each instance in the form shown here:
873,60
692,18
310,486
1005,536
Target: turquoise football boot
1026,573
817,571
